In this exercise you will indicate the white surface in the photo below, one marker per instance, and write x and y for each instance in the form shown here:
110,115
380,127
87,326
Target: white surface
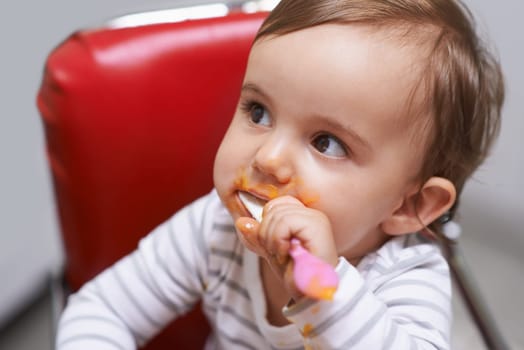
492,213
169,15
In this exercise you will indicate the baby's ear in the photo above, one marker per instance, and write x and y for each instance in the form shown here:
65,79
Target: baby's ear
421,208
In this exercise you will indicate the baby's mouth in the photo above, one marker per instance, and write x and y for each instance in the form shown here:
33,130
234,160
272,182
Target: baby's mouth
254,205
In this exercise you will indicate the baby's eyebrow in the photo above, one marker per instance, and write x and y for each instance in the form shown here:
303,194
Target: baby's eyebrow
250,87
336,125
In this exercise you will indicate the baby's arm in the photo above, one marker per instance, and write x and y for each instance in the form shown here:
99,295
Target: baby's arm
130,302
406,306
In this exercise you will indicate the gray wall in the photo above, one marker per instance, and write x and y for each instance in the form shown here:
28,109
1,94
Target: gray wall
493,204
492,211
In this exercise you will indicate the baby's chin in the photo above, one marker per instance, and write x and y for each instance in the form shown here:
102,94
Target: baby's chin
234,209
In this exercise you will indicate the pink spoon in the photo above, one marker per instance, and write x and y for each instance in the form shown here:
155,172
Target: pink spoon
313,276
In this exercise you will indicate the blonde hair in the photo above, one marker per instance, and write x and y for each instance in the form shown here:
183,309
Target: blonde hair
463,82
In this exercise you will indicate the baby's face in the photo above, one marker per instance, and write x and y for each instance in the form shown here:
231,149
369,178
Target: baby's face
321,117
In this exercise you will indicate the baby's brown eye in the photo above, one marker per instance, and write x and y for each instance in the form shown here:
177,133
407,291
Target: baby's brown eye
330,146
259,115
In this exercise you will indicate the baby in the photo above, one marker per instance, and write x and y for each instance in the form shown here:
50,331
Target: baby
358,123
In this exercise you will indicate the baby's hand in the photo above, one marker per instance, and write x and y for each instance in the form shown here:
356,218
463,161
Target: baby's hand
285,218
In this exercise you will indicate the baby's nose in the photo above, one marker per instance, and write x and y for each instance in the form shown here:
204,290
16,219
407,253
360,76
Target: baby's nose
275,158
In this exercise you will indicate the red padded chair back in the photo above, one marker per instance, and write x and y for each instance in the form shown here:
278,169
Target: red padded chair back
132,118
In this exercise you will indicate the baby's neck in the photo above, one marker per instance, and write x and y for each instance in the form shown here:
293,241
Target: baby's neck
275,294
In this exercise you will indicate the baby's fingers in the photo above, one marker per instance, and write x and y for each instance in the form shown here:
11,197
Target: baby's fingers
248,229
279,202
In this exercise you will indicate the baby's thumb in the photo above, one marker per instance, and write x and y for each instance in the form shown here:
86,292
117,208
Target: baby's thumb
248,229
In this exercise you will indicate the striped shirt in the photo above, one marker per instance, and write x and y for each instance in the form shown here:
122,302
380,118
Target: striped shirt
398,297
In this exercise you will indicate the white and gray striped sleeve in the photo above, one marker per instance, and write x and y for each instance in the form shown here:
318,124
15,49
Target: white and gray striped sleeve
131,301
410,309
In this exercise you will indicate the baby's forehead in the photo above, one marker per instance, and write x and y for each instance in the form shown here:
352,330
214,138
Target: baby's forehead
406,48
387,40
350,54
342,70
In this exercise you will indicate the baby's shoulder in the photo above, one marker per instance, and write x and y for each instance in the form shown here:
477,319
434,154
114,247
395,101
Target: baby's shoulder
399,255
205,228
204,215
216,228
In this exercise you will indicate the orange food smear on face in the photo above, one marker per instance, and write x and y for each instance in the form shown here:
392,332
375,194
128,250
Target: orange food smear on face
308,199
272,191
269,190
241,181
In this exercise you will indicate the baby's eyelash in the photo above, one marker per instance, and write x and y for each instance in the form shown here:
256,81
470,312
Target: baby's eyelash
247,105
334,147
256,113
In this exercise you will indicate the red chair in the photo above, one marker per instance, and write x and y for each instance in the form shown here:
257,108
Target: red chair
132,119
